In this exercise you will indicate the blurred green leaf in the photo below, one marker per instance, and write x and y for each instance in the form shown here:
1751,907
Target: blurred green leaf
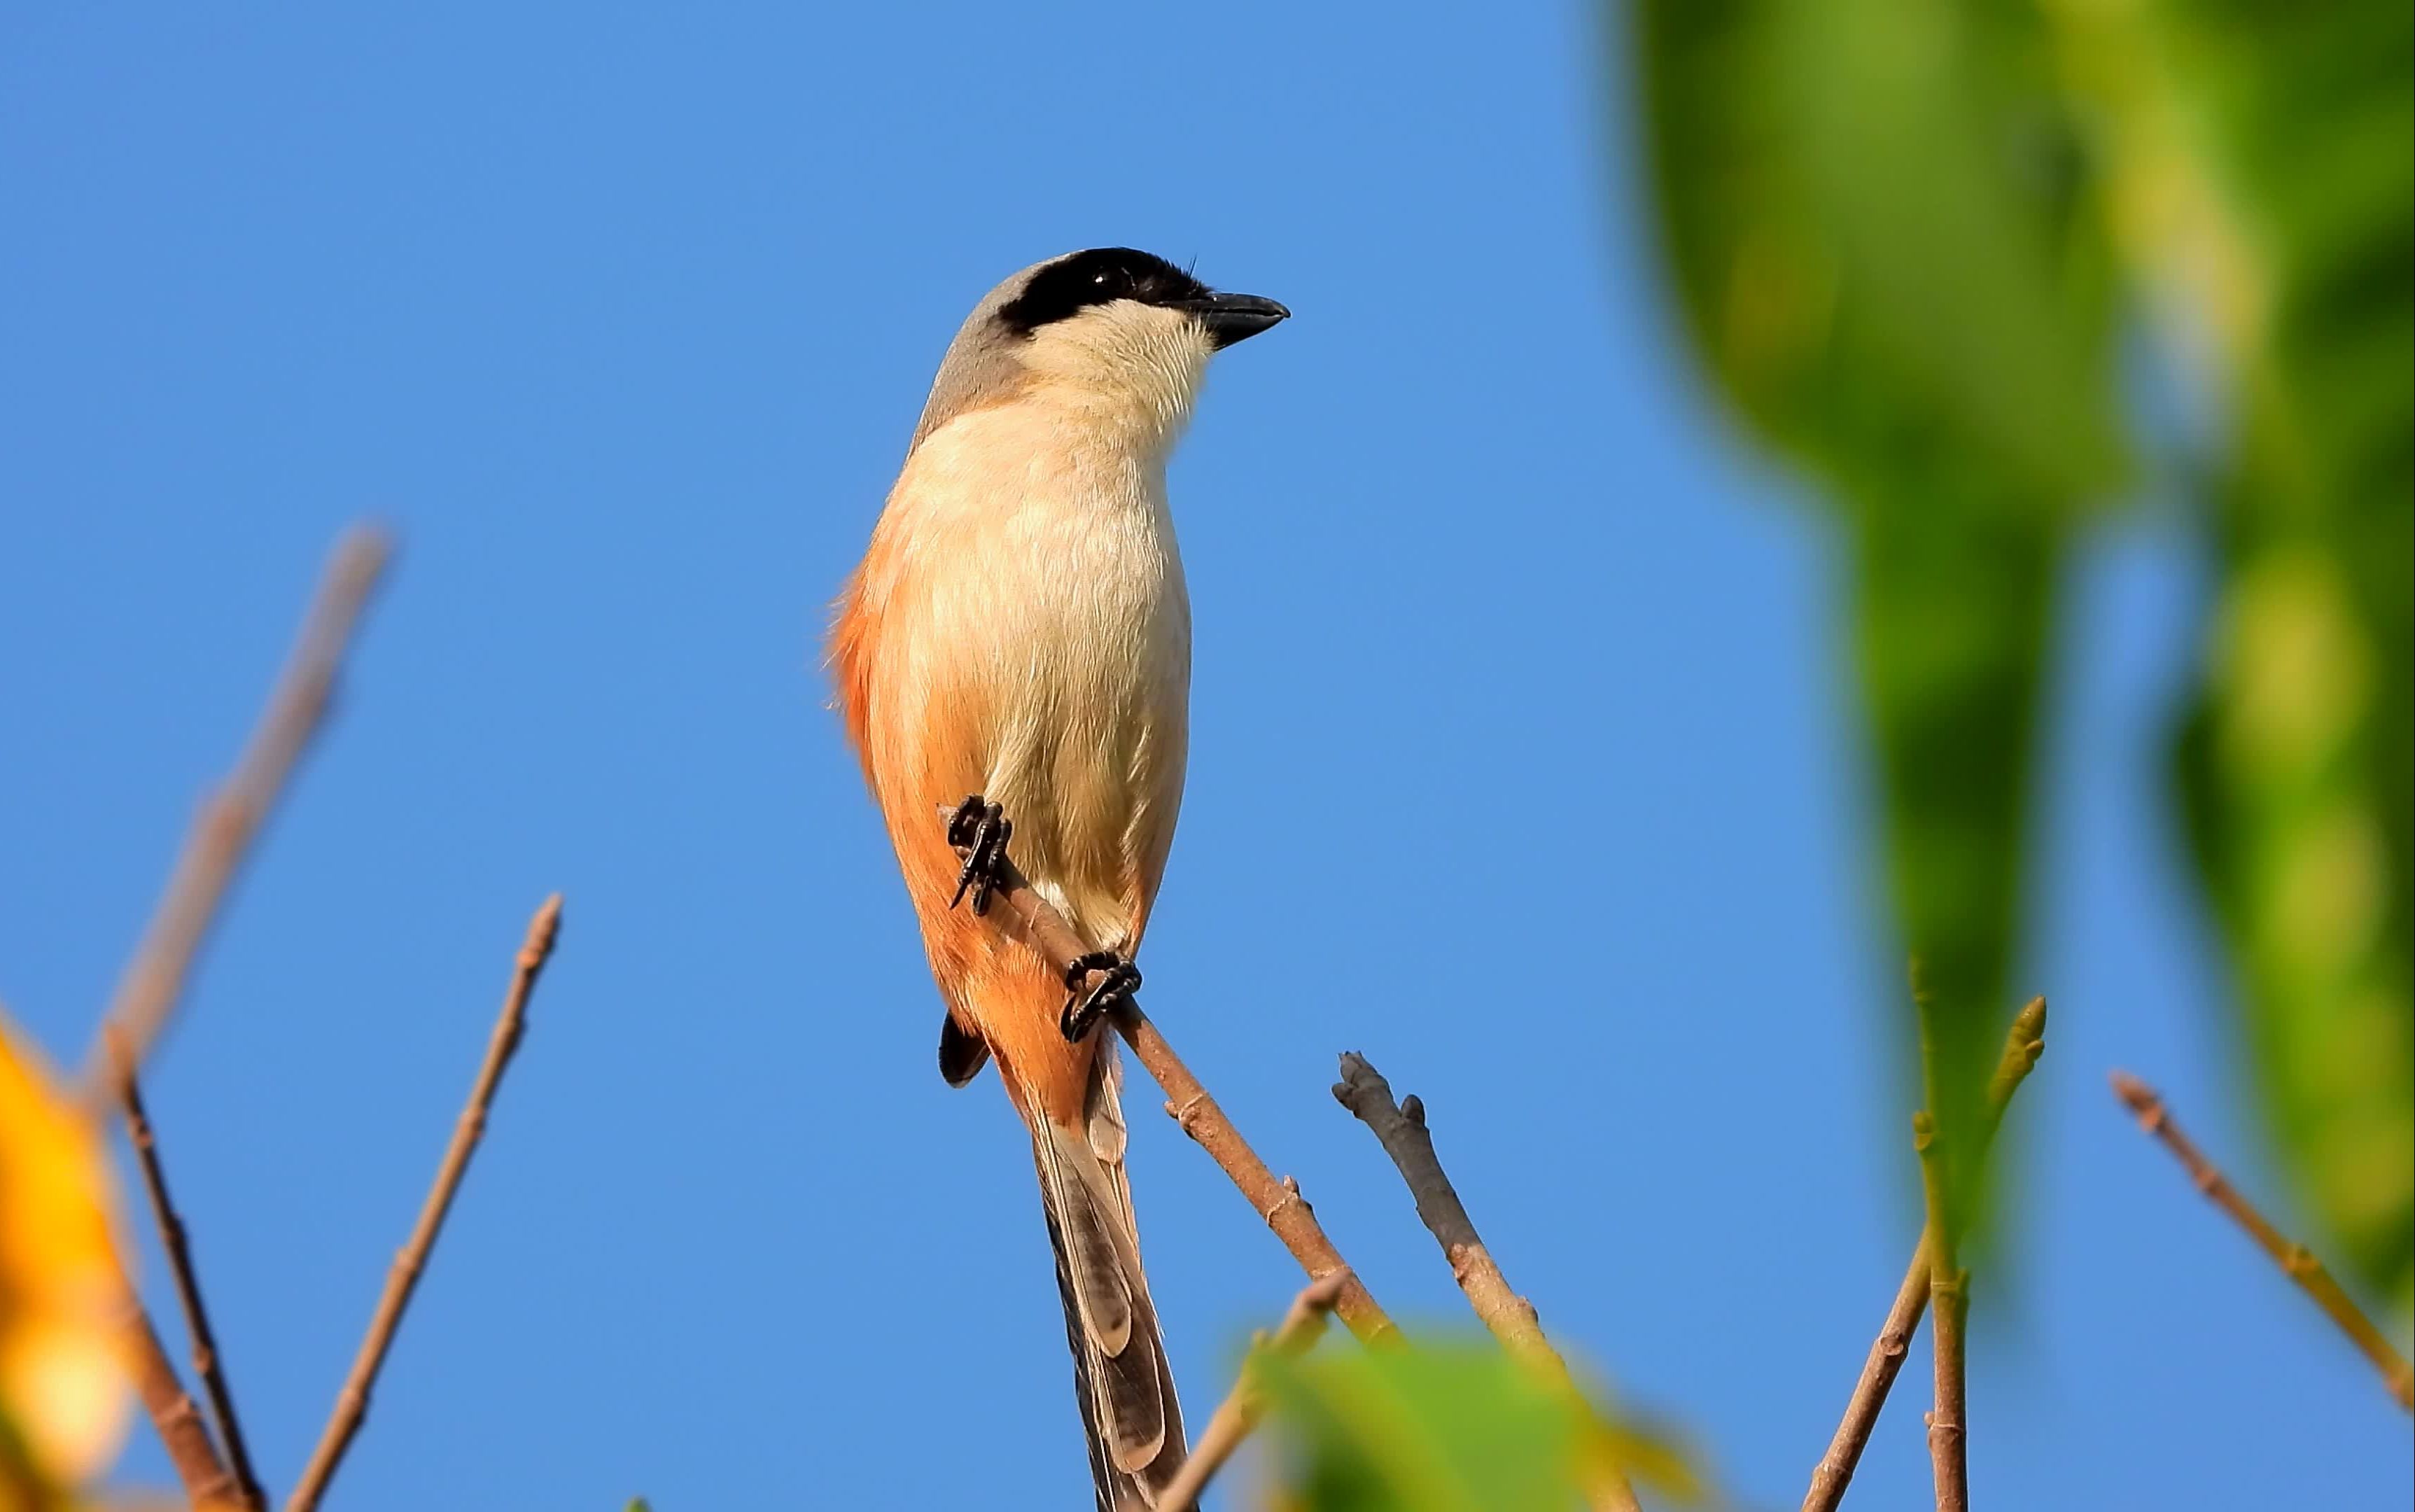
1457,1429
2288,137
1900,232
1451,1428
1881,219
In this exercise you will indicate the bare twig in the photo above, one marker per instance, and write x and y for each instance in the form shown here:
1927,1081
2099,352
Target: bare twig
1400,1129
2022,1046
2296,1261
1949,1306
1238,1416
1033,919
208,1484
176,1243
1835,1471
352,1402
221,833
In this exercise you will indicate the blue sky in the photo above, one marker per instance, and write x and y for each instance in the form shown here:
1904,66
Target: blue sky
621,319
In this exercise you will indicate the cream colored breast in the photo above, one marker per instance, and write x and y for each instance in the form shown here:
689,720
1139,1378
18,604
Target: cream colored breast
1044,568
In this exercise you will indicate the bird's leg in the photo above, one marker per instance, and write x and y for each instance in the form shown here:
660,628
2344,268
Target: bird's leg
982,829
1118,979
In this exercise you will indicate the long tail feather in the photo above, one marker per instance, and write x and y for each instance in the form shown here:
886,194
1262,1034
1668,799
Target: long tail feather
1122,1380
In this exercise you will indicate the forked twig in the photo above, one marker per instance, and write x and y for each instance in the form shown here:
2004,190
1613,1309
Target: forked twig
1400,1129
2296,1261
177,1244
1278,1202
222,831
352,1402
2023,1044
1238,1416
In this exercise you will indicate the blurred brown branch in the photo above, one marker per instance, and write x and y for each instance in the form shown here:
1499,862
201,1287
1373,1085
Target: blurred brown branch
2023,1044
2296,1261
176,1243
154,979
222,831
1238,1416
352,1402
175,1416
1278,1202
1400,1129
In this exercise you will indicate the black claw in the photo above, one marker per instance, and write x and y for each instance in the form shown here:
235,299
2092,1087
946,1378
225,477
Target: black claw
1118,979
982,829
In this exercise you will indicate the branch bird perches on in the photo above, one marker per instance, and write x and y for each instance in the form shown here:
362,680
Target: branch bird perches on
1278,1202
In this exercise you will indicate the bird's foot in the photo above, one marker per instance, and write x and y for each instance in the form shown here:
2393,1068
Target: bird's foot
1118,979
981,830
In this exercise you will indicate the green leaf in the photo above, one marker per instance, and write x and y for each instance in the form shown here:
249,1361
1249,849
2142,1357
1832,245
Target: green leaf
1882,221
1456,1428
2292,133
1878,216
1899,232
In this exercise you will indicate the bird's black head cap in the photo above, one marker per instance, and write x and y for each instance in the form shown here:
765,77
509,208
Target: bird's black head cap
1075,282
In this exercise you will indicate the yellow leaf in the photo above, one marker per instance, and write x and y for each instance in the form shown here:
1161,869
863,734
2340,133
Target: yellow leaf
63,1388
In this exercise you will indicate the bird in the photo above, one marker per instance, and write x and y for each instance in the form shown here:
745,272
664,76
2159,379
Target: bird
1014,651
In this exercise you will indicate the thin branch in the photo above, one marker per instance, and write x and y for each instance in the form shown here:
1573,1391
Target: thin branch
1948,1284
221,833
352,1402
1400,1129
1278,1202
1949,1303
2023,1044
1835,1471
207,1482
1034,920
177,1244
1238,1416
2296,1261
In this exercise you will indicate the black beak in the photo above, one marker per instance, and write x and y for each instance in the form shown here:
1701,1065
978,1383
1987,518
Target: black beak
1231,318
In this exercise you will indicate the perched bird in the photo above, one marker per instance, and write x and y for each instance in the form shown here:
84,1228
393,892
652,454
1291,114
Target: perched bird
1015,647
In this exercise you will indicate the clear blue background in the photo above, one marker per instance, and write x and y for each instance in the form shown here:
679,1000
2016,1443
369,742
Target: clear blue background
622,320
